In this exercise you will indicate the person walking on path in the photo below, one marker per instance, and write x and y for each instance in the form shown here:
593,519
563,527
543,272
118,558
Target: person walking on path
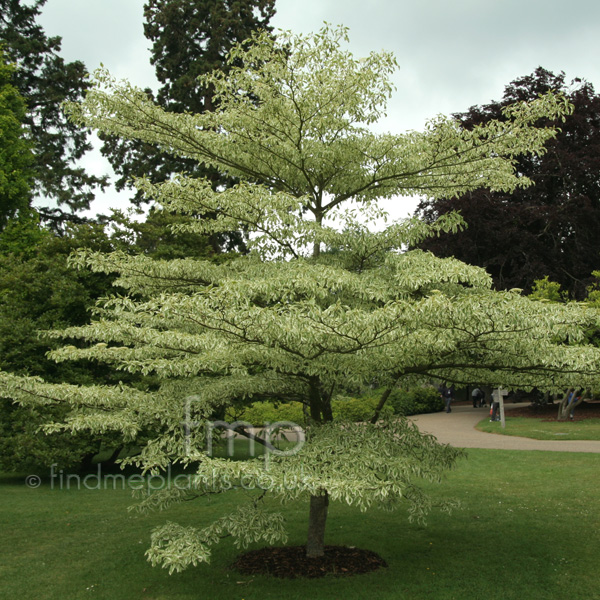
497,397
448,395
494,409
477,396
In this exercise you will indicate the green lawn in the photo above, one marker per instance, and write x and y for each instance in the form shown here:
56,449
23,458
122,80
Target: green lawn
539,429
527,530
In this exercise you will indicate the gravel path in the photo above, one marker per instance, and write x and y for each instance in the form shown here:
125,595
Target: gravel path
458,429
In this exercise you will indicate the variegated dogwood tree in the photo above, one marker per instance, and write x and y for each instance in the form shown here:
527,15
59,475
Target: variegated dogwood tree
322,303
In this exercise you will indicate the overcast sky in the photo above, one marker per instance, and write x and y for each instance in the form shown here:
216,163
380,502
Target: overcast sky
452,53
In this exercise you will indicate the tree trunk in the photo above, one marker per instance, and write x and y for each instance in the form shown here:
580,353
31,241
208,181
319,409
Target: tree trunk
315,543
114,456
320,412
319,220
562,413
565,408
87,461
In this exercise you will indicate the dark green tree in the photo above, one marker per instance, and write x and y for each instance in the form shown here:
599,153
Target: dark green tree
39,291
45,80
193,37
189,38
154,237
15,152
549,229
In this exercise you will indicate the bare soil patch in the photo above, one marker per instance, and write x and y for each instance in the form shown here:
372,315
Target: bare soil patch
548,412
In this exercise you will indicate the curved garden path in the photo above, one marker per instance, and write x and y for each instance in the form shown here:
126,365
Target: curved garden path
458,429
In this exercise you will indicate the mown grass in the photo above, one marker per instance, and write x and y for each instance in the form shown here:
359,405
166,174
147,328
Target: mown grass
527,529
538,429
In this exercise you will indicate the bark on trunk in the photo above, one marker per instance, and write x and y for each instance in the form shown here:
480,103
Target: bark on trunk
320,412
381,404
114,456
319,220
315,543
565,408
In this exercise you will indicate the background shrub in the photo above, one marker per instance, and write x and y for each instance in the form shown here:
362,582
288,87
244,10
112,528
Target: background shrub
357,409
259,413
417,401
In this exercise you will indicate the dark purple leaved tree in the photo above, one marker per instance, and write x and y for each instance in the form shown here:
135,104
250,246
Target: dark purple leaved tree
549,229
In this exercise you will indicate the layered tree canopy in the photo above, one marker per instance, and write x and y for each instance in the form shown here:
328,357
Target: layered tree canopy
303,131
549,229
312,310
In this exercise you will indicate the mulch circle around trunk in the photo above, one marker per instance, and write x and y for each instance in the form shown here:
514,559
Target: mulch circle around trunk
290,562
